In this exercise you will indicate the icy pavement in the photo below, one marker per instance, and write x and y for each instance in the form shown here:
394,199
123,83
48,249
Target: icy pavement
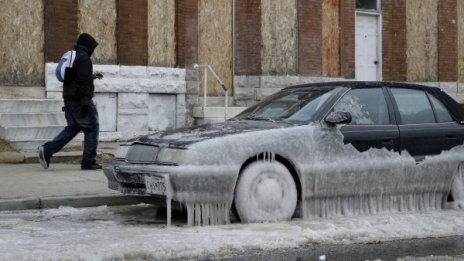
433,258
126,233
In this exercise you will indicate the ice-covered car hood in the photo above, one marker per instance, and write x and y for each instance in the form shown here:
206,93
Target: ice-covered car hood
186,136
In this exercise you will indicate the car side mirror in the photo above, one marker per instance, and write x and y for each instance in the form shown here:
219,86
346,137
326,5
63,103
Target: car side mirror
338,117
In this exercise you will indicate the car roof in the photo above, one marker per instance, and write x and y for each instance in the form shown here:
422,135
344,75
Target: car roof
454,107
362,84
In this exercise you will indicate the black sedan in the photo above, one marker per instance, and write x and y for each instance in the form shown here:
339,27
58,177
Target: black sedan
312,150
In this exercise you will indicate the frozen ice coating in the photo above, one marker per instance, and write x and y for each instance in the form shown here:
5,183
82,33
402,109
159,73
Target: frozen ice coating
458,188
355,108
335,178
268,197
204,207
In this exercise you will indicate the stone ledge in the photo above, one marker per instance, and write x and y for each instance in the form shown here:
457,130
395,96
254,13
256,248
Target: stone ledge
134,98
119,78
22,92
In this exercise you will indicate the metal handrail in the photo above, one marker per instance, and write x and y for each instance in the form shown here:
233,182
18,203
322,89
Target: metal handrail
207,67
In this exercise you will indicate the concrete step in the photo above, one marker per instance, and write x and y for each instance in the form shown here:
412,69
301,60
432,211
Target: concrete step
30,105
32,119
216,112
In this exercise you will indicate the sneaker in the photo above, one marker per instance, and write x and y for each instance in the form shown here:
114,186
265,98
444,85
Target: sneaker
44,161
92,167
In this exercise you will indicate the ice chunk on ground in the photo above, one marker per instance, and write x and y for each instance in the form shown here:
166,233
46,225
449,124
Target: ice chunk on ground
109,233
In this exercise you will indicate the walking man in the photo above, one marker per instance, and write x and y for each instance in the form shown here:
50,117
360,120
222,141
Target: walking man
80,111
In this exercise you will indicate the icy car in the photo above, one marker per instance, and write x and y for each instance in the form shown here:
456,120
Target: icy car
312,150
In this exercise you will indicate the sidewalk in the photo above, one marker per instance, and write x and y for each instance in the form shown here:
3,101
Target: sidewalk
26,185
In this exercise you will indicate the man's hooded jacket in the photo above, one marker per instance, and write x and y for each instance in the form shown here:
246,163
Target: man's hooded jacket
80,85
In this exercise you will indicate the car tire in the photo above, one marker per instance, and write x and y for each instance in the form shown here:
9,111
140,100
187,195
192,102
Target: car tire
265,192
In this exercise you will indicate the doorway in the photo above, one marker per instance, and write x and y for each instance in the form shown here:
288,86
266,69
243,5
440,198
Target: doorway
368,41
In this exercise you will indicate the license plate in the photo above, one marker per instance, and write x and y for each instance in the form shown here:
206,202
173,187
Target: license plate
155,185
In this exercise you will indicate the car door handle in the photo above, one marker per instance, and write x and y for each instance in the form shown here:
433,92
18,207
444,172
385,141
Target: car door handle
451,137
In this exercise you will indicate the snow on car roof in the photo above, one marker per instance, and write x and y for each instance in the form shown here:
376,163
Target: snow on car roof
362,84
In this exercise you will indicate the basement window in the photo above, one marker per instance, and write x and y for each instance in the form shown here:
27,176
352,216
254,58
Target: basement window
368,5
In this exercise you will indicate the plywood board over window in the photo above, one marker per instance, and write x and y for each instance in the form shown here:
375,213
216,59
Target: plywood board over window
460,32
215,43
22,42
279,37
421,34
98,18
330,38
161,33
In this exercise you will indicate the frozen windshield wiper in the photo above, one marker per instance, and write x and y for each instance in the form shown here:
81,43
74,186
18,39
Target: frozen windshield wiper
259,118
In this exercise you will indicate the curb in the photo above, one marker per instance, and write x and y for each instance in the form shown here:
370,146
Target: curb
60,157
70,201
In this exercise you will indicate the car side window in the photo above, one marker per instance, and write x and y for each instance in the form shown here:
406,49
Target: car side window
413,105
366,106
442,113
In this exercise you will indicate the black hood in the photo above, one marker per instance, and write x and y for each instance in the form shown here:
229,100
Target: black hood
87,43
186,136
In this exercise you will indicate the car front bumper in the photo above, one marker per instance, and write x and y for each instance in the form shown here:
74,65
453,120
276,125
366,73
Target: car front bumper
186,184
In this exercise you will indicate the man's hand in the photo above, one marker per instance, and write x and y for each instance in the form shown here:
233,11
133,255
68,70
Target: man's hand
97,76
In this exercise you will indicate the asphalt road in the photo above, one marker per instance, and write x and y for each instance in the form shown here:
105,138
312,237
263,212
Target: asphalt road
449,248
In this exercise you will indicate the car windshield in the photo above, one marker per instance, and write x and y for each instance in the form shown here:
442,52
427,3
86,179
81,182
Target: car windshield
289,105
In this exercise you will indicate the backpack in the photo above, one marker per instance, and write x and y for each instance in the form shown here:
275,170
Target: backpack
64,69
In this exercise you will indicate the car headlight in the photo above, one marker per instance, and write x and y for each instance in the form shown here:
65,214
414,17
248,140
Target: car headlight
171,155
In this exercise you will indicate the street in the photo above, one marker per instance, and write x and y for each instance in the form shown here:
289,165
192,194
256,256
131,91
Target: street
139,232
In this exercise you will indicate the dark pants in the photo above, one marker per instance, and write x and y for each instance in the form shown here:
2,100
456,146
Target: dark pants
76,123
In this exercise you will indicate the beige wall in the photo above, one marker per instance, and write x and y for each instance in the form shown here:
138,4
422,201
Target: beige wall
279,37
421,35
98,18
22,42
215,42
161,33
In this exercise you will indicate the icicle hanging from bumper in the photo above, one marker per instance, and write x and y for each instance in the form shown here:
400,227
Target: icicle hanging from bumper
201,214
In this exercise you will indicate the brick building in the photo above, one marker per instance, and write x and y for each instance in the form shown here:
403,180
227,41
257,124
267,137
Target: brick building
255,46
406,40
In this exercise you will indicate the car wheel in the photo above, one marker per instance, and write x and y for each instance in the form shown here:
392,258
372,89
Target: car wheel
265,191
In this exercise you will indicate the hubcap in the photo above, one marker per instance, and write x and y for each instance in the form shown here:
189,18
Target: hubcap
268,194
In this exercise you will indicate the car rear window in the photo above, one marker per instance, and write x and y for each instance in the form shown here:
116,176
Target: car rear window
442,113
413,105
